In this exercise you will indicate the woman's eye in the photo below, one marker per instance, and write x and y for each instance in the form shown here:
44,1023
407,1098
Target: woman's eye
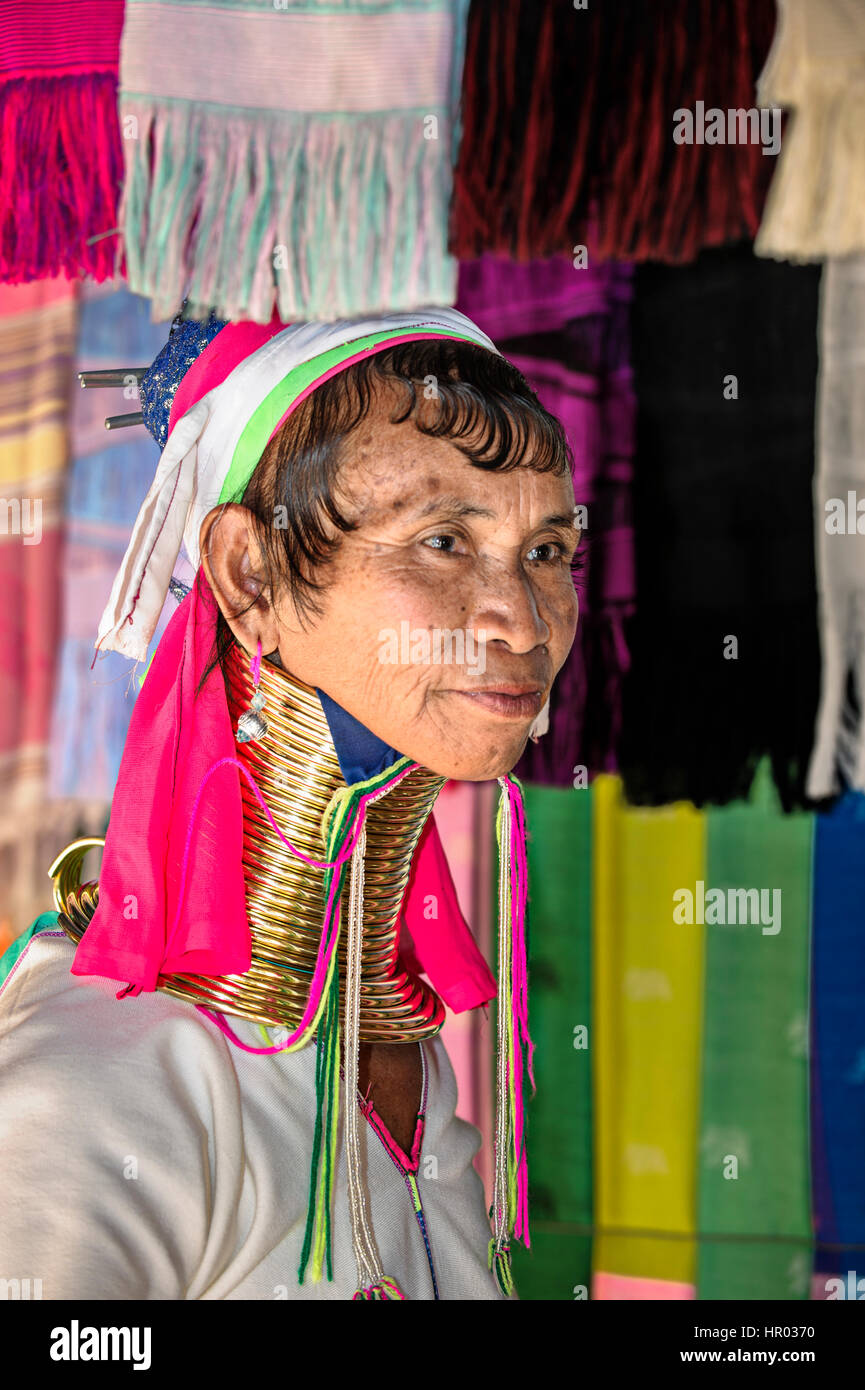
546,552
443,541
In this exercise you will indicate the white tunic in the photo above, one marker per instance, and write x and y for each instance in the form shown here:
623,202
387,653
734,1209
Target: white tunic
145,1156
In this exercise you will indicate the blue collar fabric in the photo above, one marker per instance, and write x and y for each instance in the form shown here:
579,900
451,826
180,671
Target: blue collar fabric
360,753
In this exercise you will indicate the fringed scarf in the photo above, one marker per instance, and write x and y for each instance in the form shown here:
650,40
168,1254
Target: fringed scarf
569,112
282,154
725,657
60,157
37,354
567,330
816,203
839,522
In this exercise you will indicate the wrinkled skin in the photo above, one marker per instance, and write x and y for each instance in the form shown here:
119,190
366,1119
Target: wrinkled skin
422,557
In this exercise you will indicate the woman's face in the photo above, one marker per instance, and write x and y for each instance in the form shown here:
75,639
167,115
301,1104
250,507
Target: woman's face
446,614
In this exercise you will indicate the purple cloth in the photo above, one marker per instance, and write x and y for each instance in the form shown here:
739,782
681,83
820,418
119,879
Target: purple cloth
567,331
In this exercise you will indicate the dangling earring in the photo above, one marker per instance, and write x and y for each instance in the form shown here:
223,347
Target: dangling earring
252,724
542,722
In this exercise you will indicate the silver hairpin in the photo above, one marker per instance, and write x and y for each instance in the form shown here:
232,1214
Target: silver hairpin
115,376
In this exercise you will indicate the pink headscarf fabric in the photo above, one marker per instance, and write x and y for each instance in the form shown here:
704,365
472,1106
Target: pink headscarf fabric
140,928
174,903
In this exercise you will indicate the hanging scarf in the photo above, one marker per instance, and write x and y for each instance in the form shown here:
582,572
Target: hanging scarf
838,1043
725,658
560,1138
568,118
566,329
60,156
839,524
647,972
755,1217
37,354
816,66
302,158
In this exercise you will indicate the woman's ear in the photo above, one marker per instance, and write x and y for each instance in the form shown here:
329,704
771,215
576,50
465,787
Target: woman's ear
235,567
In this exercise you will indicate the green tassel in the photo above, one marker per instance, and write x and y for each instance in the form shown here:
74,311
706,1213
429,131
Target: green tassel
499,1261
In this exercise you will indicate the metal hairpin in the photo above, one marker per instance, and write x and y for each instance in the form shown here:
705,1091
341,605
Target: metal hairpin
116,376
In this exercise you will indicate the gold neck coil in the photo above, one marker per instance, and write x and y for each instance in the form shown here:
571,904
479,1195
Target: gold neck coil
296,769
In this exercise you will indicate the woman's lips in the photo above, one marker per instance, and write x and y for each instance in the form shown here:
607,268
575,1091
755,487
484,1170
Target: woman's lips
512,703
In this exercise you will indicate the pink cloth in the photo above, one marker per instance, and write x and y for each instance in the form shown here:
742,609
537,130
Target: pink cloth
152,920
173,740
67,38
443,946
627,1286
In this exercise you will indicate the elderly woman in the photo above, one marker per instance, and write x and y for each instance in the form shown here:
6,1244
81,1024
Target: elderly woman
380,515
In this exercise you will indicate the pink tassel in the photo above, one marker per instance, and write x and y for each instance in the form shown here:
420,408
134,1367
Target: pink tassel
519,1000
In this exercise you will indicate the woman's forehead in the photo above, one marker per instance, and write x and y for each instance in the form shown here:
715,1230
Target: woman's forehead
432,477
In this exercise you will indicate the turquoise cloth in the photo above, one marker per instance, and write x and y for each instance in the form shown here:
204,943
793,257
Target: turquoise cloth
46,921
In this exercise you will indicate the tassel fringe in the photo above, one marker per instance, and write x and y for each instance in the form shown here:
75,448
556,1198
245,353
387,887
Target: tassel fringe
61,169
231,213
385,1290
499,1262
533,182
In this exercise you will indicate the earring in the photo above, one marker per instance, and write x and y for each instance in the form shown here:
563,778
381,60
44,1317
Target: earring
541,724
252,724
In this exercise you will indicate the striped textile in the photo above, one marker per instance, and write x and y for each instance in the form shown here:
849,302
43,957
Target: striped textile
325,195
37,346
60,154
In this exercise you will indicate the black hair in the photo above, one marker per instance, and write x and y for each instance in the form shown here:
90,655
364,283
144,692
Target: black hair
482,404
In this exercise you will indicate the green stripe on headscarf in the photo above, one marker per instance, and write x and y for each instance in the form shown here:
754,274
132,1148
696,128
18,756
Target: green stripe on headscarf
258,430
